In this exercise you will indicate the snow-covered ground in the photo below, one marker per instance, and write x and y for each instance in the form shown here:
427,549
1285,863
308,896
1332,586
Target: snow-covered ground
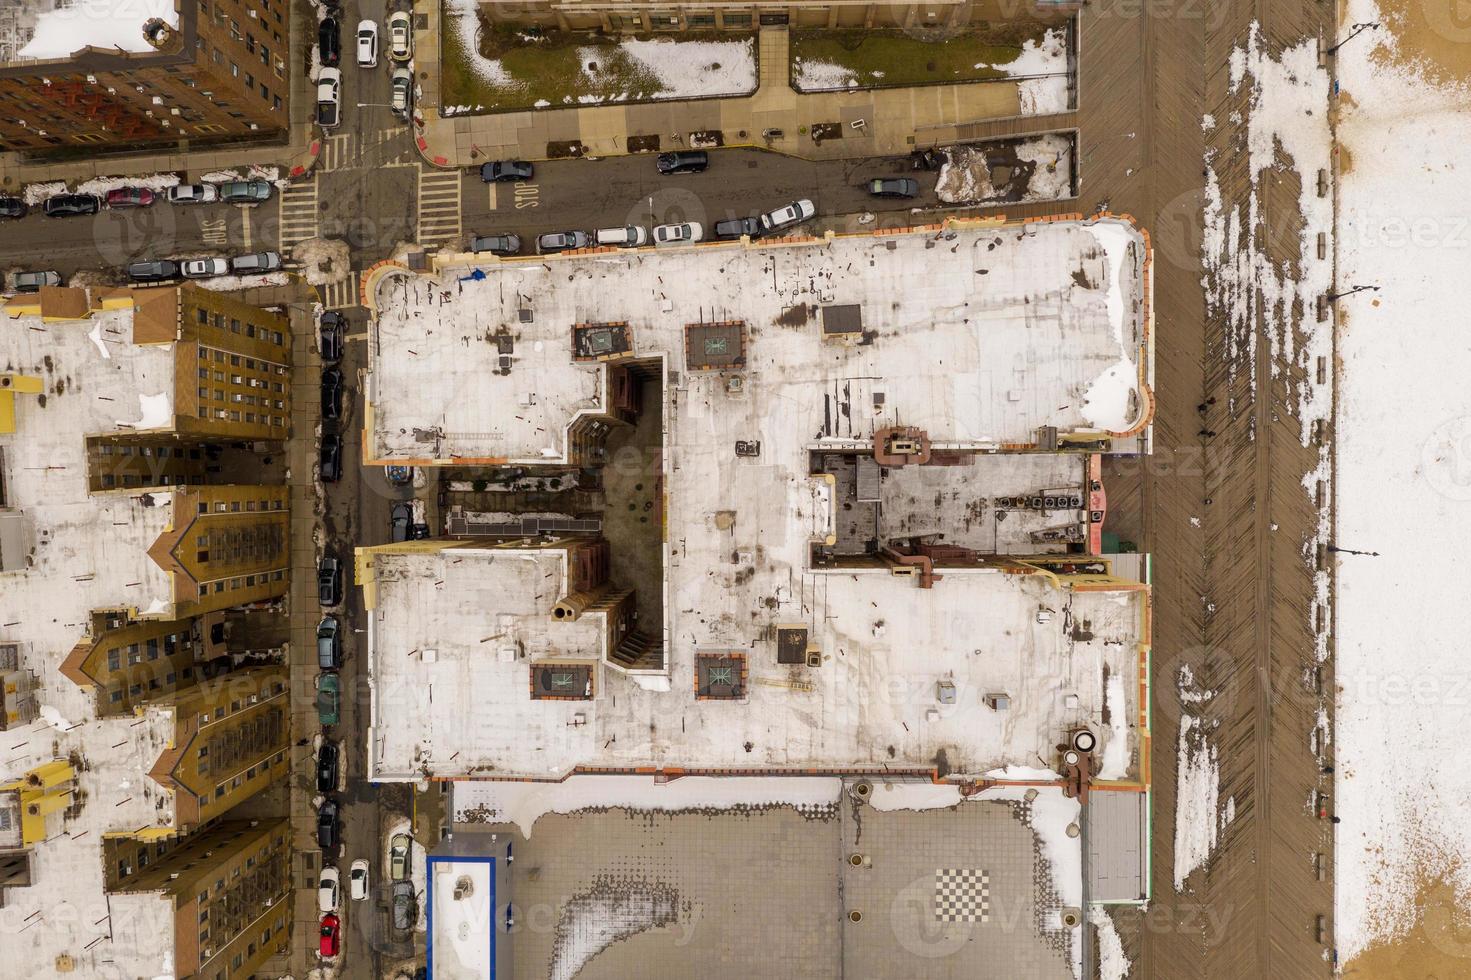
68,27
1041,68
966,176
1404,681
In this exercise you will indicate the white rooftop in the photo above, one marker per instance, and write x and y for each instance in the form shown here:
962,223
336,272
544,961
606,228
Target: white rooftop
85,552
873,703
979,335
62,27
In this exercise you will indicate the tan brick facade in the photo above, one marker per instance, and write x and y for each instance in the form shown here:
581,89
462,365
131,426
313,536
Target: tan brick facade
222,75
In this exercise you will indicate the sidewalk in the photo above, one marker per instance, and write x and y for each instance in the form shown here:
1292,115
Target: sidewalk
874,122
295,157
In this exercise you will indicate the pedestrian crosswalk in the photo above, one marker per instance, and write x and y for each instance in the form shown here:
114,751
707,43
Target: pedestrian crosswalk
341,294
299,213
439,206
381,148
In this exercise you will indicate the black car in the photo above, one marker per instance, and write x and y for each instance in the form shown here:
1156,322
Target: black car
327,766
331,394
329,581
893,187
499,170
496,244
158,271
405,908
683,162
330,458
12,207
402,516
562,241
327,825
329,42
736,227
67,205
333,324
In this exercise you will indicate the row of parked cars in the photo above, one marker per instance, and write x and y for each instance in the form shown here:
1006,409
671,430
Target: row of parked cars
123,198
329,51
773,222
164,270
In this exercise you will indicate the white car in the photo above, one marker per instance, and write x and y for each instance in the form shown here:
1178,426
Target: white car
205,268
194,194
680,234
327,892
400,36
367,44
793,214
329,98
357,880
632,236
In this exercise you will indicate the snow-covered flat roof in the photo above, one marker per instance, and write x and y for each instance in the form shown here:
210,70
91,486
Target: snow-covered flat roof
979,334
62,28
82,552
875,701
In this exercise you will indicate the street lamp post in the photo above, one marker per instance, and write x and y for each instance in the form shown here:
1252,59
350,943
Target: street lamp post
1331,297
1355,32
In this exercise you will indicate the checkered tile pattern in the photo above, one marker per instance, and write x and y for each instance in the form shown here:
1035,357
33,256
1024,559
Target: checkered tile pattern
962,895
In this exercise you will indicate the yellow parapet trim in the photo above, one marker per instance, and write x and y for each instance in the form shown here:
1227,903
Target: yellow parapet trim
10,386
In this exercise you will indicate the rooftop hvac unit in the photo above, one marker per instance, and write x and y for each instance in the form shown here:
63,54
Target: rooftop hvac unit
814,658
904,447
945,692
998,701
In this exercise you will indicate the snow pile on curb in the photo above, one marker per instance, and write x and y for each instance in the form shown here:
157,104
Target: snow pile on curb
1112,963
315,254
227,283
523,804
1198,779
271,175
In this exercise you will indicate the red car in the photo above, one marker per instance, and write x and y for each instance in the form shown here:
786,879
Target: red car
129,197
331,939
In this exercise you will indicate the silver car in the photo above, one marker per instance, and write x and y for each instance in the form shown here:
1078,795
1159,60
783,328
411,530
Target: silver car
255,262
205,268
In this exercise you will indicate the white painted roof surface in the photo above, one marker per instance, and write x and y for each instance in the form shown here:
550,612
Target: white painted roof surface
873,702
977,335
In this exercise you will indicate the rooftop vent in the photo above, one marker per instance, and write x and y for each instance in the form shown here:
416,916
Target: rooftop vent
720,676
791,645
842,322
601,341
715,346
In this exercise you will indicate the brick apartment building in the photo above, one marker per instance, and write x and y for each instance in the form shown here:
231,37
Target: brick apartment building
219,72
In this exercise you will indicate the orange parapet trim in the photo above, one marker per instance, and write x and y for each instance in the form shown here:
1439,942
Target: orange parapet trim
1097,504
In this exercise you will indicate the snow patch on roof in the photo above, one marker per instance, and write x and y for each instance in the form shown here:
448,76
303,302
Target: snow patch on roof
108,24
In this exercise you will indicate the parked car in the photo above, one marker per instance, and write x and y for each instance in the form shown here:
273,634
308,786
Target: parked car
205,268
329,698
331,393
255,263
70,205
683,162
330,327
496,244
357,880
631,236
331,932
329,98
678,234
400,36
158,270
13,207
401,92
327,757
785,217
327,824
893,187
129,197
405,909
329,458
367,44
193,194
327,894
500,170
400,476
736,227
562,241
399,857
329,644
329,42
31,282
329,581
402,517
245,191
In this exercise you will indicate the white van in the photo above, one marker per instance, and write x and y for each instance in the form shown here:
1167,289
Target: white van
632,236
